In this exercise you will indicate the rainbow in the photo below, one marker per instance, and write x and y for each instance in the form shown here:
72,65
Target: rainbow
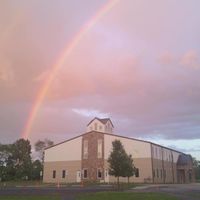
66,52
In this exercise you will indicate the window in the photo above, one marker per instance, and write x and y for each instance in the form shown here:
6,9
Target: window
160,156
154,174
99,173
156,152
164,173
106,173
85,149
153,152
100,127
63,174
157,173
99,148
108,126
161,174
95,126
190,175
54,173
137,172
85,173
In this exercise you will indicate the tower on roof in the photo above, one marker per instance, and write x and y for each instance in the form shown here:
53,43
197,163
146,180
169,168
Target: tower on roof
104,125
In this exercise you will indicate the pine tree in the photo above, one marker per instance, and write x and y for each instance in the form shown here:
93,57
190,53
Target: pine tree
120,163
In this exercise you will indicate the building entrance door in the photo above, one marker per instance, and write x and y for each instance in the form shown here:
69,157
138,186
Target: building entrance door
181,176
106,176
78,176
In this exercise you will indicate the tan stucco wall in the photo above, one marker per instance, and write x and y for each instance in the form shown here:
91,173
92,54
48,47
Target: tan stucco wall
138,149
145,171
169,176
162,153
67,151
71,168
175,156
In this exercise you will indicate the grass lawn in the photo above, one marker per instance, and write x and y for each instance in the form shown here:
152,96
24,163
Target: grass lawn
20,183
195,195
29,197
126,196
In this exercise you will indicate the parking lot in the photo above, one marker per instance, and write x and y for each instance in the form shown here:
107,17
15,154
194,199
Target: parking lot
181,191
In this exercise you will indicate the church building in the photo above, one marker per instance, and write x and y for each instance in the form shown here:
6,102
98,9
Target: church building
84,158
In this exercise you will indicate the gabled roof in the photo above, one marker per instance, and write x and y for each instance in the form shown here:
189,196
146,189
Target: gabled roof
103,121
139,140
184,159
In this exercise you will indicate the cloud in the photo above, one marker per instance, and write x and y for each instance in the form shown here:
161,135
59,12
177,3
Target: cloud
188,150
90,113
166,58
191,60
7,75
183,145
109,77
129,66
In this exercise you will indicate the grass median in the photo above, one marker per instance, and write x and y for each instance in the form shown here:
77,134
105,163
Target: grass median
126,196
29,197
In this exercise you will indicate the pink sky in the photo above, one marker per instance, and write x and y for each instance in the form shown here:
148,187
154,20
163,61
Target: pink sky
139,65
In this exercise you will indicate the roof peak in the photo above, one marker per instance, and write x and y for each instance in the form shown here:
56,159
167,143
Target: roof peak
102,120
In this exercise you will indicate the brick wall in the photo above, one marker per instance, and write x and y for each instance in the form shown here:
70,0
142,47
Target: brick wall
92,162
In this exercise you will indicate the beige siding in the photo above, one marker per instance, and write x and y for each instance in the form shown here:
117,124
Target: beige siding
71,167
138,149
175,156
67,151
164,164
98,127
157,152
162,153
108,127
145,171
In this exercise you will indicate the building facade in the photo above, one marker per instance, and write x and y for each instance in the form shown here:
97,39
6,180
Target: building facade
84,158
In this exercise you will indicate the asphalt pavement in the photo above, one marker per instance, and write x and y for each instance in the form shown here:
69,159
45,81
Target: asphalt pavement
66,193
181,191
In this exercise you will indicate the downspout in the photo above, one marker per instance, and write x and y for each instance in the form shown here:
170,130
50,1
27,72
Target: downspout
172,166
152,162
163,167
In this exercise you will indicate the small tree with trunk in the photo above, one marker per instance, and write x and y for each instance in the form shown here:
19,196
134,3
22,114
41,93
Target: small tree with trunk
120,163
129,166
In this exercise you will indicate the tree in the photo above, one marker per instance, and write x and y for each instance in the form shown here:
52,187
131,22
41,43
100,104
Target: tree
130,169
15,160
196,164
120,163
6,171
21,158
40,146
36,170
